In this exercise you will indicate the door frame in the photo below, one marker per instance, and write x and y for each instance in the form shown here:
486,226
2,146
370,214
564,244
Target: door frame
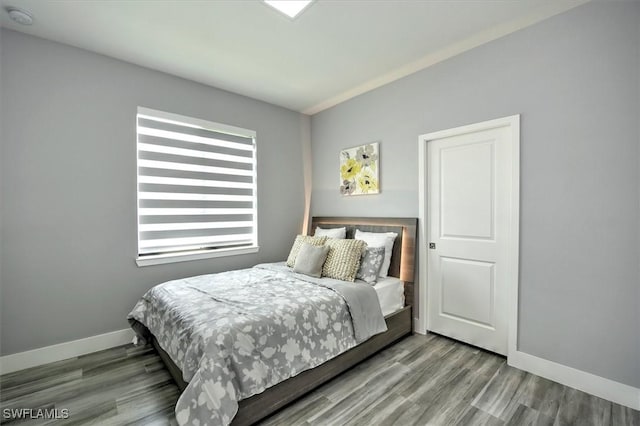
513,123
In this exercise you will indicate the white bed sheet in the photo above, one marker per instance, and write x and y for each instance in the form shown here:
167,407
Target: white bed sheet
390,292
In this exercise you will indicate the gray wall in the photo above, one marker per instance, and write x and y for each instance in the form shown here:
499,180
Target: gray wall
1,186
68,181
574,79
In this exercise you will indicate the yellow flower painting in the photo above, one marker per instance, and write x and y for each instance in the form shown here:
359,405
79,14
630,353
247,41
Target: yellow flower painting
367,184
359,170
350,169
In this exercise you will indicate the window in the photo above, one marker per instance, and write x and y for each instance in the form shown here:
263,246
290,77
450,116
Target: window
196,189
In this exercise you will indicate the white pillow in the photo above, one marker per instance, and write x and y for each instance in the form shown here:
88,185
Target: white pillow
337,233
379,239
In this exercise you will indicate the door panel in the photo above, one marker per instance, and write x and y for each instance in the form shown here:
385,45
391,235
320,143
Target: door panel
467,183
467,290
468,193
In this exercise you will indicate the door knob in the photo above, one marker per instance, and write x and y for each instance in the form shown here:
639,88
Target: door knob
432,246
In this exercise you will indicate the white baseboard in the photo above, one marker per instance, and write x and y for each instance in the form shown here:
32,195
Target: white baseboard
40,356
590,383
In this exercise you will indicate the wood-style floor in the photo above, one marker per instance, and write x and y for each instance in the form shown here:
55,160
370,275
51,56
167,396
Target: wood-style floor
422,380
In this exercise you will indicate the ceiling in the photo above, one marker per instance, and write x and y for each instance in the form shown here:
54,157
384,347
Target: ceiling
333,51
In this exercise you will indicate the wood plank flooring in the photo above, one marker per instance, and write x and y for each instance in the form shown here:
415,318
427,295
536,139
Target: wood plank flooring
421,380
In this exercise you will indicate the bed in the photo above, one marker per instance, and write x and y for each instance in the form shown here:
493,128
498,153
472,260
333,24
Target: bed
394,295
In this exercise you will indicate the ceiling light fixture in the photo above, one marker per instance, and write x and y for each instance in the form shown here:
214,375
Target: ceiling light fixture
291,8
20,16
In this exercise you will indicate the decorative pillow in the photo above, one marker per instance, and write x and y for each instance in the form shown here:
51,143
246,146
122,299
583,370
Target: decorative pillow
343,259
370,264
379,239
297,245
339,233
310,259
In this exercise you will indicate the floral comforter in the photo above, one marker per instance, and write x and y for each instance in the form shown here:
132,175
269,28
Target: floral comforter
234,334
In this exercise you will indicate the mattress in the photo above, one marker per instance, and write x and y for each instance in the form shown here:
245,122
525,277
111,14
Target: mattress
390,292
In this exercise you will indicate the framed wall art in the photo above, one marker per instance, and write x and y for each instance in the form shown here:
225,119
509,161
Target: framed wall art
359,170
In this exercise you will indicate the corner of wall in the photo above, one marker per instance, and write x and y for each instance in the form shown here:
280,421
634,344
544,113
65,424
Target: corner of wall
305,140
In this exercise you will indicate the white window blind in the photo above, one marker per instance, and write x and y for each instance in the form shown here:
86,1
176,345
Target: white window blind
196,185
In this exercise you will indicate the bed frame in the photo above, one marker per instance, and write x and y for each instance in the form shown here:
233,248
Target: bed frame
399,324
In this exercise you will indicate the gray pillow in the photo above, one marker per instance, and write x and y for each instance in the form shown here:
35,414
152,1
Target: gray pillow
370,264
379,239
310,259
300,239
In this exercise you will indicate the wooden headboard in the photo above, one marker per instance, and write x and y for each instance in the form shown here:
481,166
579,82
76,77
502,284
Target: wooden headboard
404,247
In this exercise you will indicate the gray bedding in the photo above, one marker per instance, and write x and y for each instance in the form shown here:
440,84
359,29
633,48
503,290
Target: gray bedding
236,333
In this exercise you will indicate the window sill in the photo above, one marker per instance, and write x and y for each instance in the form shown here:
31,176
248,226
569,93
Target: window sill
194,255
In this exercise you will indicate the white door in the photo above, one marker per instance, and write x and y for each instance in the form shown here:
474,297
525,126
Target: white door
469,190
